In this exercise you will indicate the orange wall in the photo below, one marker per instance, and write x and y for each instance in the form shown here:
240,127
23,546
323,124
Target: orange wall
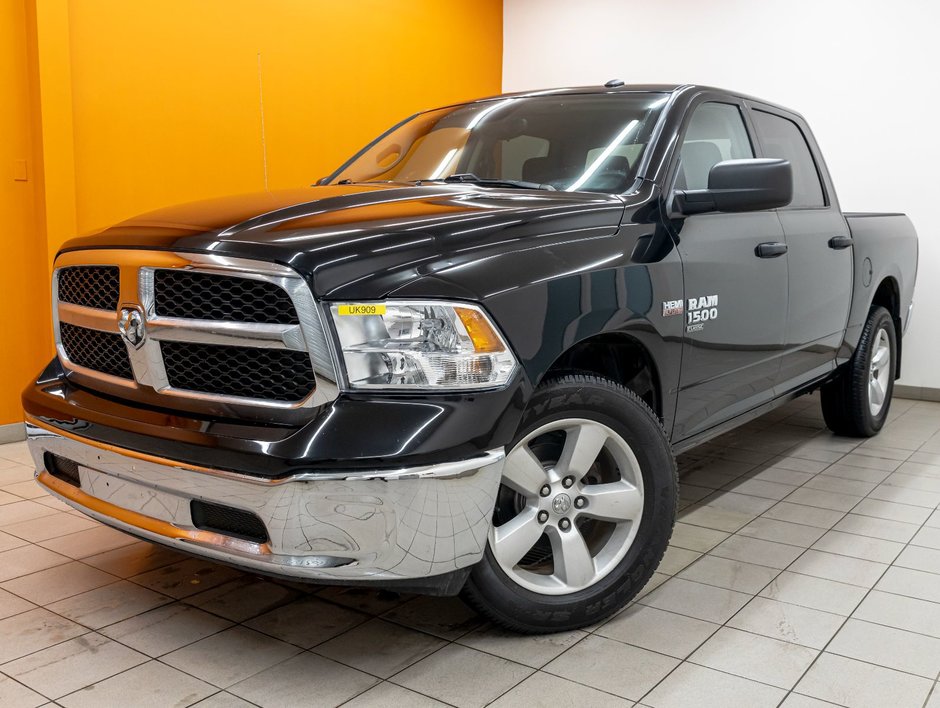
180,100
24,301
142,104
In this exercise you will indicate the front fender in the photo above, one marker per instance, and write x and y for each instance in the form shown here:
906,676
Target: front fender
549,298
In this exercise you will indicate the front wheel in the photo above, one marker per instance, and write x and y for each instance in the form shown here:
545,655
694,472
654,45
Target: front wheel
584,512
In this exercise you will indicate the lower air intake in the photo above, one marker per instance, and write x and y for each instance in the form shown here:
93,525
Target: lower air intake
62,468
228,520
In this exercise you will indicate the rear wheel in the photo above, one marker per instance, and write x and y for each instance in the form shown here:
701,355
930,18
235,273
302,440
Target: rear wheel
857,402
584,511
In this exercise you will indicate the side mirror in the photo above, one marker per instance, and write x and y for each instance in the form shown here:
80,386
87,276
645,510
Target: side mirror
741,185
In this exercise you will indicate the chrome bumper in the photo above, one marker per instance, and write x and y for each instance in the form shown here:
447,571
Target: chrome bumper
382,525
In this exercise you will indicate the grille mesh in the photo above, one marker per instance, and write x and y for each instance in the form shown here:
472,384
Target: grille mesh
91,286
204,296
228,520
62,468
101,351
267,374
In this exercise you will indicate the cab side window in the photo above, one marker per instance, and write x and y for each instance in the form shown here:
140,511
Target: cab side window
783,138
716,132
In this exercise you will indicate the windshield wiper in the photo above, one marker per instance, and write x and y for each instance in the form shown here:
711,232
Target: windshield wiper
470,178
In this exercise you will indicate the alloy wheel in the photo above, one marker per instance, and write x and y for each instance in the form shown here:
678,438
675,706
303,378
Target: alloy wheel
879,373
569,507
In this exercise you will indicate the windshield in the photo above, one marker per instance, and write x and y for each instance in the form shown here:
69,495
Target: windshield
586,142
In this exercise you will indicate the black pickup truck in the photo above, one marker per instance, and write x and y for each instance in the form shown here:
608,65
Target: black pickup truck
463,362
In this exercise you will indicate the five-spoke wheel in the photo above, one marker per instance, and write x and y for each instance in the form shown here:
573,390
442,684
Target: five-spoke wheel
570,506
879,372
584,510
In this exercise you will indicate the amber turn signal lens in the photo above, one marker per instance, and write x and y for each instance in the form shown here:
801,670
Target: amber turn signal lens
482,334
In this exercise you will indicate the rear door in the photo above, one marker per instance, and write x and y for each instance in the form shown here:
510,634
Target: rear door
819,251
735,305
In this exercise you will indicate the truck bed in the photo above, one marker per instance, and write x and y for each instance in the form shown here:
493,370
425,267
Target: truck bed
885,250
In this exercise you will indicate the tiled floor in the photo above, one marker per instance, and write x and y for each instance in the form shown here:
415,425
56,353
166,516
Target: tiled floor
804,569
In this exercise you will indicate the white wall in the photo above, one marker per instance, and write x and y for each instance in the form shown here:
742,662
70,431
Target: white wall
866,75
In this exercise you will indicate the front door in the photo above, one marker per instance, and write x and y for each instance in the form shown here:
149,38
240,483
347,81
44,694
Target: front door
735,299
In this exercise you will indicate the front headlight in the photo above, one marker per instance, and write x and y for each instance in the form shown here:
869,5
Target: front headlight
421,345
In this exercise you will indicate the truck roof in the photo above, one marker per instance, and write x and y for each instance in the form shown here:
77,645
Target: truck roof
632,88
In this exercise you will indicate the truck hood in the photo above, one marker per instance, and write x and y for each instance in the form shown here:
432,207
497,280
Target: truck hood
363,240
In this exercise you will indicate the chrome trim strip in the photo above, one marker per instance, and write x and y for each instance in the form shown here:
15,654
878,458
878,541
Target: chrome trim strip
36,429
442,470
233,334
88,317
907,320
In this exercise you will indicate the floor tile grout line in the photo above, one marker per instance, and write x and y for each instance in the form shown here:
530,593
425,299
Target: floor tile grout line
388,679
447,643
701,644
517,683
17,681
720,627
831,528
232,624
66,597
935,689
806,695
823,650
149,659
702,502
880,666
811,547
440,649
888,626
593,632
222,690
779,570
852,613
687,660
146,660
757,594
157,658
783,602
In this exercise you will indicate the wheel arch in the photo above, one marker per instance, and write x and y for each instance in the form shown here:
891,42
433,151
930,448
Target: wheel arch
888,296
617,356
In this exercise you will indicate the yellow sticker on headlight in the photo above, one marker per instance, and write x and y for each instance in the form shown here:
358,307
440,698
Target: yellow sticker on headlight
360,310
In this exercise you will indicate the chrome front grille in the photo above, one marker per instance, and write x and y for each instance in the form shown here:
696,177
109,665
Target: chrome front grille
206,331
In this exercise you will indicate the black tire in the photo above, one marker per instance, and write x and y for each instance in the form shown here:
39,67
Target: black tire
846,400
506,602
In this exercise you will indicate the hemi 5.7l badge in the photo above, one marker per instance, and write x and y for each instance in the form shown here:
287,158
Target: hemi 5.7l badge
672,307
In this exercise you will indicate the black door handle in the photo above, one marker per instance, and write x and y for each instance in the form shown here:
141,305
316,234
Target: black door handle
770,250
840,242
